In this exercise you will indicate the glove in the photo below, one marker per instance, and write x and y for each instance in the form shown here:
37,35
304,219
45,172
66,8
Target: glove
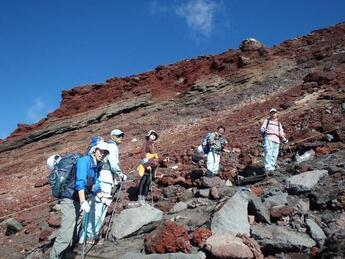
105,201
85,206
285,141
123,177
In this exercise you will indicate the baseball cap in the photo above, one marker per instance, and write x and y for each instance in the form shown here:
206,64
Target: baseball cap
117,132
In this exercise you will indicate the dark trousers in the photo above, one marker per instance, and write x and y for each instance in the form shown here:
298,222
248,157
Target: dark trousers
144,184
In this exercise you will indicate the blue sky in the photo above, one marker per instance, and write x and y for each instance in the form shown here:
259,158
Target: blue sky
47,46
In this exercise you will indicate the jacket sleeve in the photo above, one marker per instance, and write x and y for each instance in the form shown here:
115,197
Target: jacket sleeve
263,127
212,139
281,132
96,187
81,178
113,159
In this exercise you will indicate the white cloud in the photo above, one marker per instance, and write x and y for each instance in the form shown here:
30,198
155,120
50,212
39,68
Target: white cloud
199,15
36,111
156,8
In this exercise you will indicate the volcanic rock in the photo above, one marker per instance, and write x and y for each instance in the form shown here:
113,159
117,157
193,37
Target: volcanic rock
280,239
316,232
305,182
200,236
12,225
233,216
227,246
250,45
168,238
131,220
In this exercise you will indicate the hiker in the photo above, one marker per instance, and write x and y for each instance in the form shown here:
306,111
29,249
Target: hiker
272,132
75,201
109,169
52,161
148,165
216,145
94,141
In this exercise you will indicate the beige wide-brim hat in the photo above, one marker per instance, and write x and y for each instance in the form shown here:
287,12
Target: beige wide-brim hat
150,132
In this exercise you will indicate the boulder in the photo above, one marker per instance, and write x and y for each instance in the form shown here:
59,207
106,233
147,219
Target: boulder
131,255
214,193
304,182
308,155
209,182
316,232
168,237
227,246
131,220
12,226
275,239
250,44
180,206
335,244
274,197
198,202
233,216
278,212
205,193
257,208
303,206
200,236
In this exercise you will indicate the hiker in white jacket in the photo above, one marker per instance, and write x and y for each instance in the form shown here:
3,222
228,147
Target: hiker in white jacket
107,181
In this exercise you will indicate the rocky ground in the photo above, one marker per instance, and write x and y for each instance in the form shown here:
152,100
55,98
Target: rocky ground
299,212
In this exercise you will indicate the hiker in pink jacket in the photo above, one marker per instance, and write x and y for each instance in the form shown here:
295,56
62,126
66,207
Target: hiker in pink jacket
272,132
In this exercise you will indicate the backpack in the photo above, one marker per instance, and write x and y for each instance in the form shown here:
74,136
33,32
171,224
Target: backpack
206,143
62,177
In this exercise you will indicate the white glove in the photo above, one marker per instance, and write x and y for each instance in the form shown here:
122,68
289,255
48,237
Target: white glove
116,182
285,141
123,177
85,206
105,201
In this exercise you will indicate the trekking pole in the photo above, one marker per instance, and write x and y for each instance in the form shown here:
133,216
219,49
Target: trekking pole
112,214
86,221
151,173
102,211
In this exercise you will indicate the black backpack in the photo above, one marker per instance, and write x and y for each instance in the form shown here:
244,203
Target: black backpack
62,177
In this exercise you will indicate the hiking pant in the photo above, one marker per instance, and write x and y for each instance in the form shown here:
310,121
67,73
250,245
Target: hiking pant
271,151
97,214
213,160
70,222
98,209
144,184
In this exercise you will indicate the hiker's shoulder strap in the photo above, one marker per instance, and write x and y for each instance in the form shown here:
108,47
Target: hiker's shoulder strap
279,127
268,122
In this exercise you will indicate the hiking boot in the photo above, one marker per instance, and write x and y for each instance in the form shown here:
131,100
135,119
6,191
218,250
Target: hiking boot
141,199
209,174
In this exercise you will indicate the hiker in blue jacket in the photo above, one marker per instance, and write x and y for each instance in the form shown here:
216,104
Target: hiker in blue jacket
106,178
73,208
